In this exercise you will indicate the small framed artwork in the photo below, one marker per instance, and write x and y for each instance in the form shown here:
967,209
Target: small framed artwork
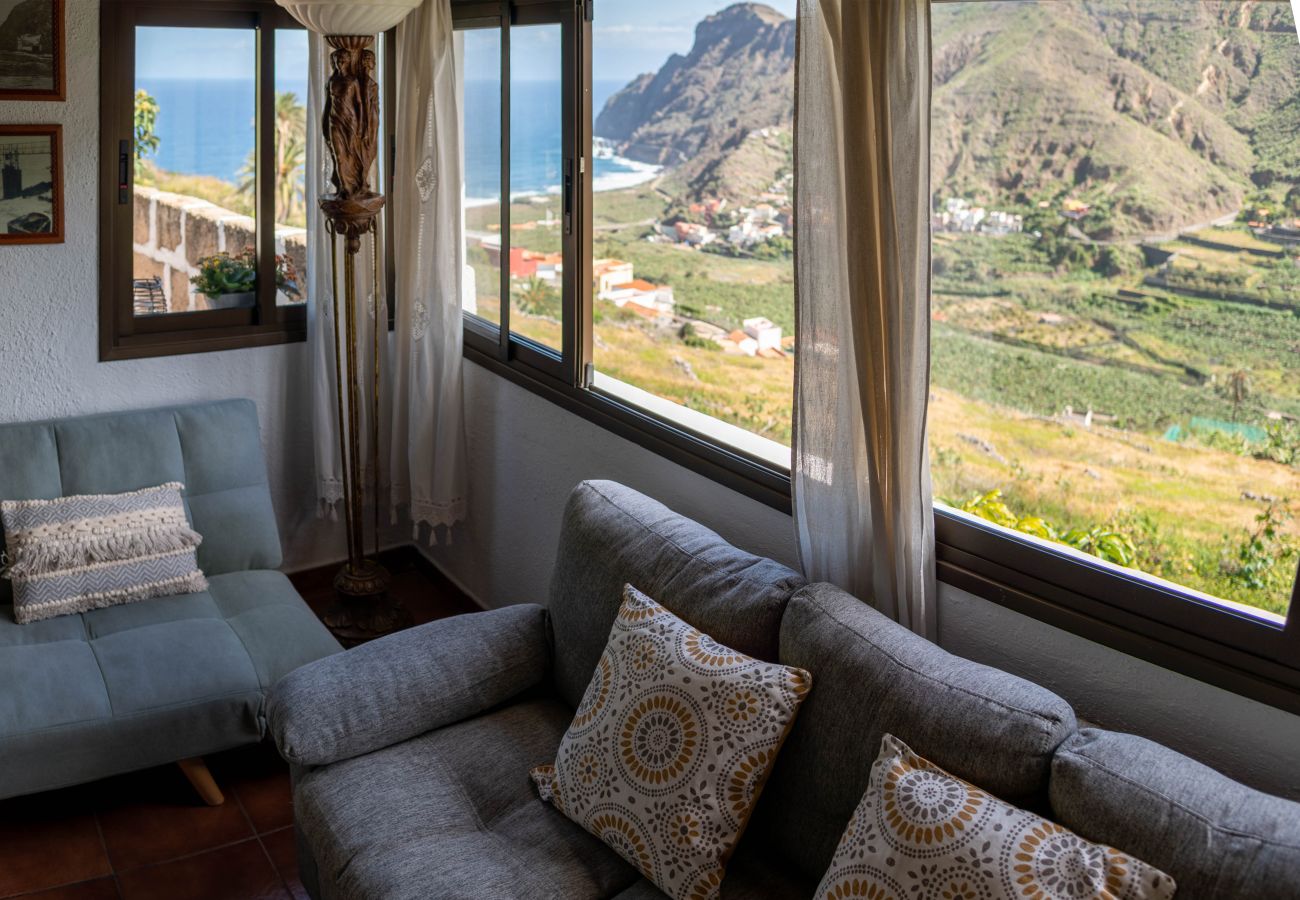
32,64
31,184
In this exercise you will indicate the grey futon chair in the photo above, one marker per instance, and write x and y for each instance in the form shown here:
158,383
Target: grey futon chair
163,680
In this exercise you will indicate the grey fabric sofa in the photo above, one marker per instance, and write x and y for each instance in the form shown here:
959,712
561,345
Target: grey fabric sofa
410,755
128,687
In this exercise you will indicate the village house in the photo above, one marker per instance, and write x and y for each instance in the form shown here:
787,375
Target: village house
525,264
606,273
959,215
1075,209
739,342
643,293
692,233
766,335
759,223
550,266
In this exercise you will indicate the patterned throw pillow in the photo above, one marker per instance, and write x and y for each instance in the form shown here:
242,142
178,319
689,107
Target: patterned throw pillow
671,746
75,554
920,832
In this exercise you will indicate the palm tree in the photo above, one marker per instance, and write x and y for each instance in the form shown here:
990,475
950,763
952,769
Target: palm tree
290,162
537,298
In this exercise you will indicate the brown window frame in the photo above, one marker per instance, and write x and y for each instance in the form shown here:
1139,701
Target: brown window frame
123,335
561,375
1124,610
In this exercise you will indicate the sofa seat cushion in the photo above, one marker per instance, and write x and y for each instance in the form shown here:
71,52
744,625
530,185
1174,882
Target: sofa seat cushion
128,687
750,876
453,814
1217,838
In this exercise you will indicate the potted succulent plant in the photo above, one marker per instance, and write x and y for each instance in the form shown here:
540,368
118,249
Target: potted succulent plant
230,282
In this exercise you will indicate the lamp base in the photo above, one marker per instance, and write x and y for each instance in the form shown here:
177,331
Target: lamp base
363,609
366,579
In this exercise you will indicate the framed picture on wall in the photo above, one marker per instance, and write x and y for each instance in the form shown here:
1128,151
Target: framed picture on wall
31,184
32,42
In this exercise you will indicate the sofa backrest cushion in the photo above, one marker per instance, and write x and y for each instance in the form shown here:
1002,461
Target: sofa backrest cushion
871,676
611,536
214,449
1217,838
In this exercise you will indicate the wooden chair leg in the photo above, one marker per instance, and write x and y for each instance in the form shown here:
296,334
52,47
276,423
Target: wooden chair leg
196,770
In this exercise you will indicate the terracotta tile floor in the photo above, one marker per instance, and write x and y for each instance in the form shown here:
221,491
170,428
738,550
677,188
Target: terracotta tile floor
147,836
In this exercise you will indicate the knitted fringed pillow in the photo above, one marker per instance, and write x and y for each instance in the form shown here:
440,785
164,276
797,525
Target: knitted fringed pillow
75,554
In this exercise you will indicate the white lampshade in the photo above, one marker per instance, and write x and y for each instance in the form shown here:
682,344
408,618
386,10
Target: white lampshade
349,16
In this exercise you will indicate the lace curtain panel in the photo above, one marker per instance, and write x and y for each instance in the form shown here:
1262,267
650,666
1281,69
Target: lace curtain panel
861,480
428,434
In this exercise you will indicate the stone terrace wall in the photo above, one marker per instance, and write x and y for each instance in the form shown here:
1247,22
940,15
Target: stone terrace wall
172,232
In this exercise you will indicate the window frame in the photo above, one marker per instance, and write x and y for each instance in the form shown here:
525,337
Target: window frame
1135,614
123,335
565,378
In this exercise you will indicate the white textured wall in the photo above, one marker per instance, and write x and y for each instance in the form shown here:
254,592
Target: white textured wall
526,454
49,320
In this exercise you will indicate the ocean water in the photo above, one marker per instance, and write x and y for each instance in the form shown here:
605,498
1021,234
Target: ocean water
205,127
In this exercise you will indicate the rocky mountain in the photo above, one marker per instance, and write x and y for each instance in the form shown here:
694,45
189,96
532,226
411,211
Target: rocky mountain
738,77
1166,112
1160,113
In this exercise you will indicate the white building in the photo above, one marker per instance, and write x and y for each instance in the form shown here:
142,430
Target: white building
693,234
766,335
608,274
739,342
642,293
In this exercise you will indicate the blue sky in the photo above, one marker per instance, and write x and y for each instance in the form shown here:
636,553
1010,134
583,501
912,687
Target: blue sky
214,53
635,36
631,37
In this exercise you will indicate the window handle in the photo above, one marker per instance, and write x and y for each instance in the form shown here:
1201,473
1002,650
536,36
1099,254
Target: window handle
124,172
568,196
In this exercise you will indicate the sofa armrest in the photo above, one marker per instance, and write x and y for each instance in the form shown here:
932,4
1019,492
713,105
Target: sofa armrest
406,684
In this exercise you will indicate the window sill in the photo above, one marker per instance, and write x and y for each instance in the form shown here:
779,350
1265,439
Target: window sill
763,476
768,451
151,347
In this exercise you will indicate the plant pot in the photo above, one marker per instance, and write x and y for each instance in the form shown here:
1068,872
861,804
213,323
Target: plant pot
245,300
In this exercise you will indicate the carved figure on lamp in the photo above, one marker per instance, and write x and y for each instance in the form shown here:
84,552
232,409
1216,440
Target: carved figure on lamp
351,128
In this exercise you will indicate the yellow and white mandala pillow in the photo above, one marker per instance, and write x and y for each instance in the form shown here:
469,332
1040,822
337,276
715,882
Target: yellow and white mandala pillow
921,832
671,746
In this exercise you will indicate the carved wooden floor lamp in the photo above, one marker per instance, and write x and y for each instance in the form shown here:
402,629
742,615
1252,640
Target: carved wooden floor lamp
351,211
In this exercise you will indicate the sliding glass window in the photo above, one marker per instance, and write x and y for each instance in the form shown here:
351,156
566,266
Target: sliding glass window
1116,307
203,156
1116,242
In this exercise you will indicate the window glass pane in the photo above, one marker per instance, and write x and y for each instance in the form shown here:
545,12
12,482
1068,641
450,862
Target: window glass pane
1116,293
693,258
536,261
195,194
480,55
291,70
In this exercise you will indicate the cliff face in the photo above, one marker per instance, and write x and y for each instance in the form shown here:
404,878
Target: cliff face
1162,106
738,77
1167,112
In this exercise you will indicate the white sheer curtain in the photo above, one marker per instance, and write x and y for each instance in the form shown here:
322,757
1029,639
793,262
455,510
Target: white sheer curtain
321,310
428,436
862,497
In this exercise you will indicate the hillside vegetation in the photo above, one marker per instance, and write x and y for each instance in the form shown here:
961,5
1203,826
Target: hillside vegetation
1121,372
1168,112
